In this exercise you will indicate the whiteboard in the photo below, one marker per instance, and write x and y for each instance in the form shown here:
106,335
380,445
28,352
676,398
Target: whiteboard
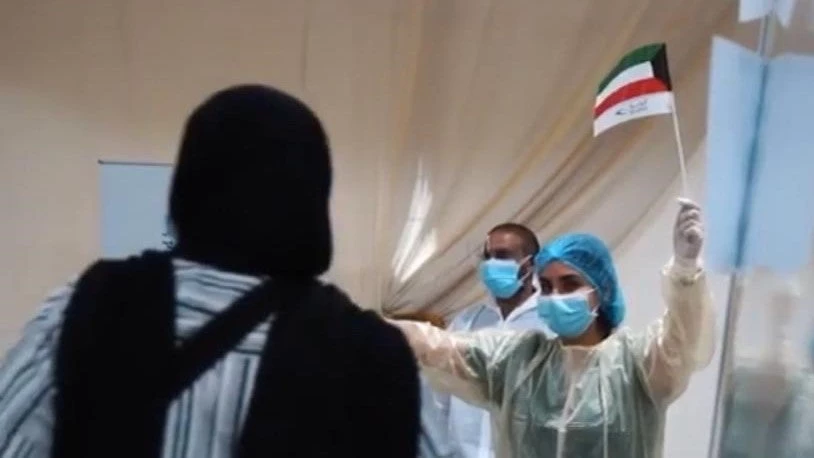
134,200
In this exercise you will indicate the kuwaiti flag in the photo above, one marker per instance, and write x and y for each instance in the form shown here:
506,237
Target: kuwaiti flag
638,86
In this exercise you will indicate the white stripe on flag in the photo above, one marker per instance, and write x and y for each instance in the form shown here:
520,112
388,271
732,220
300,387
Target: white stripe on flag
635,73
638,107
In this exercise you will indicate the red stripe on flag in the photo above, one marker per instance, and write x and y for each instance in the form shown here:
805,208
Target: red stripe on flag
629,91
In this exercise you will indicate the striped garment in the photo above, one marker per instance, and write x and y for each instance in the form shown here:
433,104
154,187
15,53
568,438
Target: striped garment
203,422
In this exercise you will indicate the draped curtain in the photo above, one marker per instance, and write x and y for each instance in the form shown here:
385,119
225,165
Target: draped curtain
491,114
446,117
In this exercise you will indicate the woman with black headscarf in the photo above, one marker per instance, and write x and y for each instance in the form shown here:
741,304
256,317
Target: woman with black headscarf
228,345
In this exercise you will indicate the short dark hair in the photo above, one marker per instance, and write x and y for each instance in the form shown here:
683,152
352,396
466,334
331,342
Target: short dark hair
530,244
604,323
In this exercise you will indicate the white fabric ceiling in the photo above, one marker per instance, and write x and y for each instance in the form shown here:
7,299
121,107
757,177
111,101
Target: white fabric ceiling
446,116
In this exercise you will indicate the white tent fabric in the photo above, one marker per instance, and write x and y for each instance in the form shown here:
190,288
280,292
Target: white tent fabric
446,117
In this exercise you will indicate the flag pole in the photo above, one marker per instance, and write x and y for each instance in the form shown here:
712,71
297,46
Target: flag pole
682,161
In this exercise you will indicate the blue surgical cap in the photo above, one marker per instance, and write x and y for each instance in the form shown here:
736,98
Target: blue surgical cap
589,256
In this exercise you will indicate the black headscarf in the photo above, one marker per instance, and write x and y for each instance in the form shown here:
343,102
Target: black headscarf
250,195
252,185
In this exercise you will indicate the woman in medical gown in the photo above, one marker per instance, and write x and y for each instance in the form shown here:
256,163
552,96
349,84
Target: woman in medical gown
597,390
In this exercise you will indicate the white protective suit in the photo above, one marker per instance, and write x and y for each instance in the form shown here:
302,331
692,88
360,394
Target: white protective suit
469,427
549,400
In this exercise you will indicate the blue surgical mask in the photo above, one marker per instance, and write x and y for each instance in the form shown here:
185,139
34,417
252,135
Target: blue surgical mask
501,277
568,315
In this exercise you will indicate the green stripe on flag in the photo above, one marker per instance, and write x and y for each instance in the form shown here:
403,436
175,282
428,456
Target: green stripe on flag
661,69
637,56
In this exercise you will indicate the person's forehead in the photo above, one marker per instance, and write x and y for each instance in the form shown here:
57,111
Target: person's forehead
556,270
504,240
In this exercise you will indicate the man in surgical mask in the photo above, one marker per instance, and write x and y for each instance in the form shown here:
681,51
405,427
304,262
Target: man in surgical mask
507,272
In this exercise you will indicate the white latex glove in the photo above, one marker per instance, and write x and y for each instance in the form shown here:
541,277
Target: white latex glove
688,234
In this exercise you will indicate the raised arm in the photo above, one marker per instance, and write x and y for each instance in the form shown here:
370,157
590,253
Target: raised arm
469,365
443,356
682,341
